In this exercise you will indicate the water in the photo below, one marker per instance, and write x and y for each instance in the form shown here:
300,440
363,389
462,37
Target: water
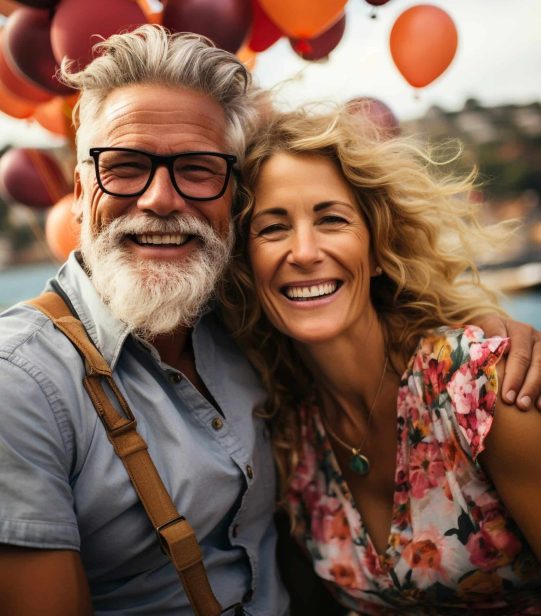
26,281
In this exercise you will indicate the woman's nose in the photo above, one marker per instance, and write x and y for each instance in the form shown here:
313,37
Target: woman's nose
304,249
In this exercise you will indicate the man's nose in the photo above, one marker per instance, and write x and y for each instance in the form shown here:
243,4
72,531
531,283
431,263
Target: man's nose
161,197
304,249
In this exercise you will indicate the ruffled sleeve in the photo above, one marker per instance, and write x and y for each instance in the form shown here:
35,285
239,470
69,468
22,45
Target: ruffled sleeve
473,385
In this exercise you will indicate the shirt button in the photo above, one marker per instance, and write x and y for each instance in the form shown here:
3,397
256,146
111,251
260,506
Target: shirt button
235,531
250,472
175,378
217,423
248,596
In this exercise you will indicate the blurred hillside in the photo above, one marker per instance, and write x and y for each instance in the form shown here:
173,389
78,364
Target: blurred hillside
504,141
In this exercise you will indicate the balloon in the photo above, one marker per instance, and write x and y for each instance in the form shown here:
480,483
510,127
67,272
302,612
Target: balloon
377,2
77,25
13,105
247,56
56,116
8,6
27,47
322,45
423,43
39,4
264,31
225,22
17,83
303,19
32,177
378,113
62,231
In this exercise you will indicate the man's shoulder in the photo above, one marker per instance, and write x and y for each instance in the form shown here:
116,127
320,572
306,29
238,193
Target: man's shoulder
29,338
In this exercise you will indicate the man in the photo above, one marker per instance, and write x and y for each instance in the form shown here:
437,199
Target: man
155,238
160,123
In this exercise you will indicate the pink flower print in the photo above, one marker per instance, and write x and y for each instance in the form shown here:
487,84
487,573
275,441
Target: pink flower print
494,545
329,522
463,391
426,468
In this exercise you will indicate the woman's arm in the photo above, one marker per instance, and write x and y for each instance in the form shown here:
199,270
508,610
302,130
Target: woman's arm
512,459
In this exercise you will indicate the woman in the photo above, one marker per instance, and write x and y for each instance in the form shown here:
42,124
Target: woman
409,483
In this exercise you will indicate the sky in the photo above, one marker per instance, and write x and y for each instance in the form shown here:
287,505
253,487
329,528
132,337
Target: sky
498,59
497,62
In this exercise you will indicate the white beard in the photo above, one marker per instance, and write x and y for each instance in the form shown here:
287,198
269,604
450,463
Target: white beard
153,297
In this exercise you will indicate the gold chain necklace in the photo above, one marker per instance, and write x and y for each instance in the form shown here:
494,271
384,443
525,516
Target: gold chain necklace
358,461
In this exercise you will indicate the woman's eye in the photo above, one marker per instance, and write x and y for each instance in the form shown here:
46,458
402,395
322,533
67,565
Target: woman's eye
333,220
271,229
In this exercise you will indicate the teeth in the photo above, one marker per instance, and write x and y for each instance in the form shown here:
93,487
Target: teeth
316,290
176,239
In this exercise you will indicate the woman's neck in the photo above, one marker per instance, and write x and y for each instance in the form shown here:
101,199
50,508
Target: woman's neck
347,369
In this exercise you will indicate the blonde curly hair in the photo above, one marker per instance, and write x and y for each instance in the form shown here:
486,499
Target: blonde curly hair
424,232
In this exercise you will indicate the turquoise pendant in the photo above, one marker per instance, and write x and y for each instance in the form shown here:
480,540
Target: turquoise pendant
359,463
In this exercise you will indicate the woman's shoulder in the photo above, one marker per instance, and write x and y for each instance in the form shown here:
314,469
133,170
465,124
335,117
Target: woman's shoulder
453,348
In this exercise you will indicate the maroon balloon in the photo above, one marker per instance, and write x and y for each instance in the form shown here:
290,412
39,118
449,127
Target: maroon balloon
77,25
225,22
32,177
377,2
322,45
378,113
27,47
16,83
264,31
39,4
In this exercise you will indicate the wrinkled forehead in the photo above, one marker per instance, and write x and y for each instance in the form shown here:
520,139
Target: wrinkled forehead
152,116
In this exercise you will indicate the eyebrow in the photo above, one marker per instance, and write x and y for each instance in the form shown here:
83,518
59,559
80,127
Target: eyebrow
318,207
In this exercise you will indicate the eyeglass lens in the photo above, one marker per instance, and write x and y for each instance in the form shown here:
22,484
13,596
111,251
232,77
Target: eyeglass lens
201,176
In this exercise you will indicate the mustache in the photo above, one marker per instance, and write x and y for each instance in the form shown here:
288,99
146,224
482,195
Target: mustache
118,228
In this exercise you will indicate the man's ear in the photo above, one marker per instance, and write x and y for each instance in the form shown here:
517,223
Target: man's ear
77,207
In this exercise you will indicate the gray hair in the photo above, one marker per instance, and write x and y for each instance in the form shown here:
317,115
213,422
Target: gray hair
152,55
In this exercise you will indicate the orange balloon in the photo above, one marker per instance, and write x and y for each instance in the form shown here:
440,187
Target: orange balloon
303,19
13,105
423,43
62,231
55,115
247,56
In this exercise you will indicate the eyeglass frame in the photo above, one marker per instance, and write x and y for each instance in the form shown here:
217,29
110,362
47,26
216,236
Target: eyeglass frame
157,160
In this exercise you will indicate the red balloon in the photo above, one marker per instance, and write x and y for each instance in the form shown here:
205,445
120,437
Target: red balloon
423,43
62,231
27,46
378,113
264,31
77,25
225,22
32,177
17,83
39,4
322,45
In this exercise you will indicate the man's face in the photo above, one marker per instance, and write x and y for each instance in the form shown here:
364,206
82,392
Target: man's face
158,249
160,120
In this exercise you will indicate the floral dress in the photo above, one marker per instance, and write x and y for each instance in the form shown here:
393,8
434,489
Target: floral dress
453,548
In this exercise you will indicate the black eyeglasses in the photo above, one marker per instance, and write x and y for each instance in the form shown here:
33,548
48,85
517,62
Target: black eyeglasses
200,176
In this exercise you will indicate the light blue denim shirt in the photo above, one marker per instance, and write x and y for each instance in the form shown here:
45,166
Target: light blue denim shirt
62,486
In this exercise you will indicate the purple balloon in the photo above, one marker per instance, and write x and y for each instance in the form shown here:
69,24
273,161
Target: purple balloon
378,113
320,46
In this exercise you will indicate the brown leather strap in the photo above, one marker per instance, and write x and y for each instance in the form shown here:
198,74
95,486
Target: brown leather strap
175,534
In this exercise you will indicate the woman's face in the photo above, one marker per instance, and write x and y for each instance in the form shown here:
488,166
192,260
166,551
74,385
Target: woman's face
309,249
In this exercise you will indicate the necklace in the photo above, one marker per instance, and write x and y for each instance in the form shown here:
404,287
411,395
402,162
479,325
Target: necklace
358,461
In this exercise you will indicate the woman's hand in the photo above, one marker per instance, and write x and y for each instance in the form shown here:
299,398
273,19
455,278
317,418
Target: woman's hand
522,377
